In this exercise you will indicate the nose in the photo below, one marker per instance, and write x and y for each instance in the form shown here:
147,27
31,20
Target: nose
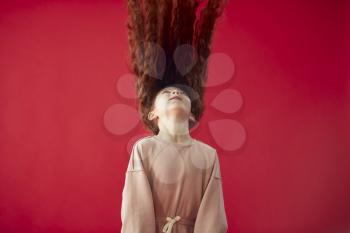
176,92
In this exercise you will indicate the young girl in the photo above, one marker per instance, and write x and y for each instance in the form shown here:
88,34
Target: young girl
173,181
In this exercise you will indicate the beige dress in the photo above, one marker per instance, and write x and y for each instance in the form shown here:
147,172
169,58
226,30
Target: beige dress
171,187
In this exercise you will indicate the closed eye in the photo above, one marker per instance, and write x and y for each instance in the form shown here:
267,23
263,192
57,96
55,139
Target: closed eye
181,92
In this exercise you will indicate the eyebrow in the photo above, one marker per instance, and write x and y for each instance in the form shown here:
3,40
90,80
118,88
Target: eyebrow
167,89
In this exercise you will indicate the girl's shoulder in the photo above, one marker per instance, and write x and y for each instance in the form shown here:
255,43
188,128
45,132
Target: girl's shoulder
206,146
146,140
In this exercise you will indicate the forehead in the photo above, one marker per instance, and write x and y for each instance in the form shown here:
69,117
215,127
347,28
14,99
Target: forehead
171,88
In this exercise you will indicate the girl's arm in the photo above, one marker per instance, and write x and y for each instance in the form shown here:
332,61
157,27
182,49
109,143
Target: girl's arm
137,208
211,216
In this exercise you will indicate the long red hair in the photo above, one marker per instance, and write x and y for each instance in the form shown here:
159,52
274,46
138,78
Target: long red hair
155,30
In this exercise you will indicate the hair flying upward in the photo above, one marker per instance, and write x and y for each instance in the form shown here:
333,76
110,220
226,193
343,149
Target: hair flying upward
157,29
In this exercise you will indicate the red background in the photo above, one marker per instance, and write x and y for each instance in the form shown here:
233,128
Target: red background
62,171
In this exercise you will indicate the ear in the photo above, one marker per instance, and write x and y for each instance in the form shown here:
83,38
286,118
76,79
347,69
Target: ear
151,116
192,118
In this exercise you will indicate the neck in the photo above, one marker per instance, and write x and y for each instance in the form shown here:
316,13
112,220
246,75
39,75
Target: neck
177,132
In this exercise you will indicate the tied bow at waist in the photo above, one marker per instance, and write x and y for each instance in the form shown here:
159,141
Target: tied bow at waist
171,221
169,225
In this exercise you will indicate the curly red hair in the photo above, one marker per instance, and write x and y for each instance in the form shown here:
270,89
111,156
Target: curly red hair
155,30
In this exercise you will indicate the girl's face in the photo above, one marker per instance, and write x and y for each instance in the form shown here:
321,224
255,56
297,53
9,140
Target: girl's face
171,103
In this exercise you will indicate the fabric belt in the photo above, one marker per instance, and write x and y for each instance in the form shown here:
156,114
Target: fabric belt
171,221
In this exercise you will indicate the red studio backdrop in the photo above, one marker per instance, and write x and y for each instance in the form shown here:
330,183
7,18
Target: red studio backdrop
277,110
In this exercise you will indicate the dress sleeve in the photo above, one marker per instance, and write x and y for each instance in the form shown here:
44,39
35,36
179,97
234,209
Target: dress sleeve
137,208
211,216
